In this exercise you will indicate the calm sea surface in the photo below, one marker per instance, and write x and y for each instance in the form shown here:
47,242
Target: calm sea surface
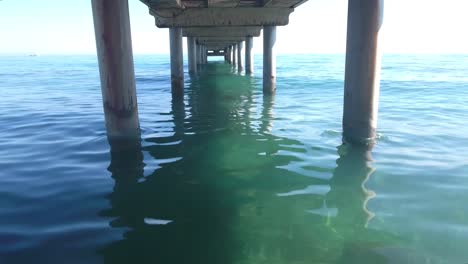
231,177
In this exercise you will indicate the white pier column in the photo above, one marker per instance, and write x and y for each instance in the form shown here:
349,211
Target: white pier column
177,61
362,77
248,55
239,56
269,59
192,55
234,49
115,58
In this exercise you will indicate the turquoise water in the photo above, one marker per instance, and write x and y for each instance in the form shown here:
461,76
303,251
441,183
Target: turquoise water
228,175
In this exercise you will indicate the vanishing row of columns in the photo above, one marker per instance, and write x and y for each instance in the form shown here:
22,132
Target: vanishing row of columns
115,58
197,54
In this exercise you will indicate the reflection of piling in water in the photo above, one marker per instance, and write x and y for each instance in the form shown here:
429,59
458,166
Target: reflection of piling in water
267,114
348,191
178,115
127,169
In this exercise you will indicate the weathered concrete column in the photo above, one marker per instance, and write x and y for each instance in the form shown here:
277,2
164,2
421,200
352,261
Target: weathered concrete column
362,77
230,54
202,58
198,53
239,56
192,54
115,58
205,55
248,55
177,61
201,53
269,59
234,51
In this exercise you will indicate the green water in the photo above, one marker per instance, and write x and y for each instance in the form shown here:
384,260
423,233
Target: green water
225,185
228,175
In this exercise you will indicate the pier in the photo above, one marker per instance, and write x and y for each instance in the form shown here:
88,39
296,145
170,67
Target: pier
220,28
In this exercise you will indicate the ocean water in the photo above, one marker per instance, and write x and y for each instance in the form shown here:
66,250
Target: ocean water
228,175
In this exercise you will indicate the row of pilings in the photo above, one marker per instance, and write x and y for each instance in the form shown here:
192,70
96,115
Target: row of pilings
115,57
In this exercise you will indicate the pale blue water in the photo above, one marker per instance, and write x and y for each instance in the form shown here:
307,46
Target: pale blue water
230,176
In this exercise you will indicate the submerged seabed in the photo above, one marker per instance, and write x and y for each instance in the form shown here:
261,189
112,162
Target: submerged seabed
228,175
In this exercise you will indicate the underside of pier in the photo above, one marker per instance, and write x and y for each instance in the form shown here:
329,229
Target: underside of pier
220,28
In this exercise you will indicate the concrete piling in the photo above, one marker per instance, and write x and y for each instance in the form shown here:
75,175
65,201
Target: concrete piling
226,55
198,51
192,55
230,54
269,59
362,77
205,54
117,74
234,54
239,56
248,55
177,61
201,54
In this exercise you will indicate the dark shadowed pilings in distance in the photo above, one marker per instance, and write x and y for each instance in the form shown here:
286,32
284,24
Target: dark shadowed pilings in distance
249,55
177,61
192,54
226,55
199,54
362,78
239,56
115,58
269,59
205,54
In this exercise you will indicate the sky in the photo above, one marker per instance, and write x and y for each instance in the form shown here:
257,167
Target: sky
317,26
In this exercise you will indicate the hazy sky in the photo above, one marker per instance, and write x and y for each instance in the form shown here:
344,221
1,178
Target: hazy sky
318,26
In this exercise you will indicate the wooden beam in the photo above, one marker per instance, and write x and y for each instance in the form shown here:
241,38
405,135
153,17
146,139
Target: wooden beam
218,17
220,39
163,3
222,31
221,3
